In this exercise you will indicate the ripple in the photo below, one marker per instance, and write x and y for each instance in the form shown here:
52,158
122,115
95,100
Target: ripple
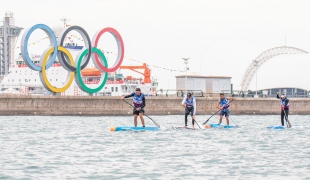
84,148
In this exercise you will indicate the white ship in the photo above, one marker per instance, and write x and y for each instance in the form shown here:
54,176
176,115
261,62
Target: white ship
22,80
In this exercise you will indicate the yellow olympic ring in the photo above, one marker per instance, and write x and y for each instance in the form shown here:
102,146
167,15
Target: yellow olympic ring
70,76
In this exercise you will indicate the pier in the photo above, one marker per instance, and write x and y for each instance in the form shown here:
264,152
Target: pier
112,106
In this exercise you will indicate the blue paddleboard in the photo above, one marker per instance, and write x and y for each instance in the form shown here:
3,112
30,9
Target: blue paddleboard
132,128
221,126
276,127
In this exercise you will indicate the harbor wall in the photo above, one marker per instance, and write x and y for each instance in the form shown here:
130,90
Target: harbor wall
113,106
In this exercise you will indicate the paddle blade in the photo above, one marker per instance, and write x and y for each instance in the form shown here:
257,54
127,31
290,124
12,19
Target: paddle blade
289,124
156,124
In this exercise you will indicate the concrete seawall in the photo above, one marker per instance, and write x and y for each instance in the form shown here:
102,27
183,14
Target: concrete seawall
98,105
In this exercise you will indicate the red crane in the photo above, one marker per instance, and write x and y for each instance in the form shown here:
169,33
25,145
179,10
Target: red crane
146,74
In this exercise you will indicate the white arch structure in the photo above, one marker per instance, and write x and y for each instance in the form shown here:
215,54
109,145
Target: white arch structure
262,58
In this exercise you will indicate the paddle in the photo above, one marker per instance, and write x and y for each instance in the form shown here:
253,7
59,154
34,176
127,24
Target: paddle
288,124
215,113
144,114
194,119
234,122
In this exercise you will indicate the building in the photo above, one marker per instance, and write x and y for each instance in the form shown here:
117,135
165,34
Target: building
206,84
8,35
272,92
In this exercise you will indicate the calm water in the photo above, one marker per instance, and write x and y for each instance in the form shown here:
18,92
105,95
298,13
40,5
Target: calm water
84,148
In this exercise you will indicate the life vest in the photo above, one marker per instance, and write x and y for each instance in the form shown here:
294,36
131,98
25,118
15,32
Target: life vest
224,103
283,101
137,101
189,103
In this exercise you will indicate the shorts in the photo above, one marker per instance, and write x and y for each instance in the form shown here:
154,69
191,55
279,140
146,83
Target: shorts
189,110
137,112
225,112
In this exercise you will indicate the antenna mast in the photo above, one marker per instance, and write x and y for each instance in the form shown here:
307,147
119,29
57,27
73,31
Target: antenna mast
65,20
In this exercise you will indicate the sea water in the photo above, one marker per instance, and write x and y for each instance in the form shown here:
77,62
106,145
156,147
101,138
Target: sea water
46,147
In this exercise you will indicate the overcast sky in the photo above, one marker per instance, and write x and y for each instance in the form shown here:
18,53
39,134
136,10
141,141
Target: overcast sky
220,37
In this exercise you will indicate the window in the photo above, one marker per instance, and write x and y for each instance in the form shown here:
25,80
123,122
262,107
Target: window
112,89
116,89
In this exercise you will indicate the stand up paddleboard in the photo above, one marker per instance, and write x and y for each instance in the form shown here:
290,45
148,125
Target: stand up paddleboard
276,127
182,127
132,128
219,126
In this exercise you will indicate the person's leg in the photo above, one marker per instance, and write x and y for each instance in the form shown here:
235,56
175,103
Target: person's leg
227,114
286,117
282,117
142,119
191,112
227,120
286,112
135,116
193,121
186,114
221,116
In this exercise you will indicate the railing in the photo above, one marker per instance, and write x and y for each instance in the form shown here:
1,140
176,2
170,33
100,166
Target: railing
178,93
130,89
246,94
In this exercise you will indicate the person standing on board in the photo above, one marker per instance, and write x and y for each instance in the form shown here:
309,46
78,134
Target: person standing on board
285,103
223,105
139,104
189,102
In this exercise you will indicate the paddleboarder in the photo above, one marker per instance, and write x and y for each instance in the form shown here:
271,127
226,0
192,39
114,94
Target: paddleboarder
285,104
189,103
223,105
139,104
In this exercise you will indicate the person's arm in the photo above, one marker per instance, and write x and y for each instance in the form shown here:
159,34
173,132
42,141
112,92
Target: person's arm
130,95
230,98
194,104
143,104
183,101
278,95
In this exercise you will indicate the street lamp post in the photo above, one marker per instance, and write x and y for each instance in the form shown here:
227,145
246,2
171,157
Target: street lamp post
186,62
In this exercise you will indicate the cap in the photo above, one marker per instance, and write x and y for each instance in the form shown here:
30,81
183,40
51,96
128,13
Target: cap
189,94
283,95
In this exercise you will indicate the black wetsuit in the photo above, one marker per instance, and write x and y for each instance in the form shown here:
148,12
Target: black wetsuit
284,112
189,110
135,112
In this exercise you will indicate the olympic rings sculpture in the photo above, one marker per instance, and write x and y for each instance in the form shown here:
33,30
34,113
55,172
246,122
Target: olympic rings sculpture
66,60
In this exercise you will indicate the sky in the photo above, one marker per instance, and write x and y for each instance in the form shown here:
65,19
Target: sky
221,38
